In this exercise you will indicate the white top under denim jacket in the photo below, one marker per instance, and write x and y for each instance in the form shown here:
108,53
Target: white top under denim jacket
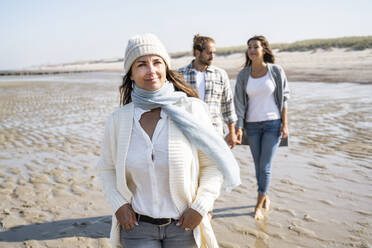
194,179
241,100
261,105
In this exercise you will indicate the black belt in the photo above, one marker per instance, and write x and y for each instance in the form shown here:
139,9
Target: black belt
159,222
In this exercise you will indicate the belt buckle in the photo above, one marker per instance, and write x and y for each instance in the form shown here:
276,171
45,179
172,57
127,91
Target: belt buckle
166,224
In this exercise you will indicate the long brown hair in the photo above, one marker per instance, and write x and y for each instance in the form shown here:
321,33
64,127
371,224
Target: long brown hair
172,76
268,56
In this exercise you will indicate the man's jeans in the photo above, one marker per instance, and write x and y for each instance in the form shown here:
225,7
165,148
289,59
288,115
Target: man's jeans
147,235
263,138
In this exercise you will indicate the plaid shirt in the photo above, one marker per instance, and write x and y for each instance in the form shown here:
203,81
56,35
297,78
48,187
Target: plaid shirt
218,95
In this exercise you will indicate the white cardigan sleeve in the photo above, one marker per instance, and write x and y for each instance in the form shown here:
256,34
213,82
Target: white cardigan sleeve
210,177
210,181
106,164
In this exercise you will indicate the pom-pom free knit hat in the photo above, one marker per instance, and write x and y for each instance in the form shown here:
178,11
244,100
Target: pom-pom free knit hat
141,45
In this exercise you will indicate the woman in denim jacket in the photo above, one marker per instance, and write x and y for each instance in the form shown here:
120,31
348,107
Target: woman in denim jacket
260,99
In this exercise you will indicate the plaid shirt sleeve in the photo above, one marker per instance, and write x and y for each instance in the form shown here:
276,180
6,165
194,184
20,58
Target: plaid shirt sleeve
188,74
227,103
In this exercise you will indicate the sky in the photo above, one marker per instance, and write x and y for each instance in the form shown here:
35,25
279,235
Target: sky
39,32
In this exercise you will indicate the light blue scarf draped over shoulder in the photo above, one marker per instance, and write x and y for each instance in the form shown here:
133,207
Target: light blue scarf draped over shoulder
206,140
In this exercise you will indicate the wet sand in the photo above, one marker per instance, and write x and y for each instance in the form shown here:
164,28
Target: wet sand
50,131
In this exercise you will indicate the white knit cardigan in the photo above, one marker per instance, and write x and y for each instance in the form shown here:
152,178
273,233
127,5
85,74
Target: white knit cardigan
195,180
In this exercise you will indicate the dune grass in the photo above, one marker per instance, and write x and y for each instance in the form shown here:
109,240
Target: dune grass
350,43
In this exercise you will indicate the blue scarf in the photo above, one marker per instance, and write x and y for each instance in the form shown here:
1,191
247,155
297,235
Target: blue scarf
206,140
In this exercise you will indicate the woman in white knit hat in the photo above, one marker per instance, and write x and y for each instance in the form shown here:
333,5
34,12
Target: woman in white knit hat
162,164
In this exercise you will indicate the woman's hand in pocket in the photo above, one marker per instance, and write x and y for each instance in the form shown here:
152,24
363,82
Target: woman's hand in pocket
126,216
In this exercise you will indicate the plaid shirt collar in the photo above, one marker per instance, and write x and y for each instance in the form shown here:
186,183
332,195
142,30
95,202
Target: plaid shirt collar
190,67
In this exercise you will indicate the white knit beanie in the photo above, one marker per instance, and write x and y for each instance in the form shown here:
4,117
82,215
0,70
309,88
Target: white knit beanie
141,45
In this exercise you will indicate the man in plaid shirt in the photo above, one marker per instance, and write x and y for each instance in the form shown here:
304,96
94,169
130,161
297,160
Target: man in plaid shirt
213,85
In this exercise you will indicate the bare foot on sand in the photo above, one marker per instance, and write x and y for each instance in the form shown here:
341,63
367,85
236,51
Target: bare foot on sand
266,204
258,215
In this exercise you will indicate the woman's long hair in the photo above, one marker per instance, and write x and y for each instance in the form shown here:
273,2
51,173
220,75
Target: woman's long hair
172,76
268,56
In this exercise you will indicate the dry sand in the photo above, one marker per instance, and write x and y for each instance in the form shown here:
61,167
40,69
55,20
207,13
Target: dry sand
51,126
333,65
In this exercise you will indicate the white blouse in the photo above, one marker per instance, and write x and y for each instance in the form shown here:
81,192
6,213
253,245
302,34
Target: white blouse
147,166
261,105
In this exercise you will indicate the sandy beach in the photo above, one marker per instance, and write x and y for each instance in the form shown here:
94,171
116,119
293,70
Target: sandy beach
321,192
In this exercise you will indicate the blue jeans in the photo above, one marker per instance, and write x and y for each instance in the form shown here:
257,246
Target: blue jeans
263,138
147,235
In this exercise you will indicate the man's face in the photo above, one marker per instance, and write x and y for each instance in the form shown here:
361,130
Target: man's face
207,55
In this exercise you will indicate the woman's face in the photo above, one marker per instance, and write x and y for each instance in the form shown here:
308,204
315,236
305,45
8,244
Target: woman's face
255,50
149,72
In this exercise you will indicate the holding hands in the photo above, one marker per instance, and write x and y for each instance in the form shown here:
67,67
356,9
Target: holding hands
232,140
239,135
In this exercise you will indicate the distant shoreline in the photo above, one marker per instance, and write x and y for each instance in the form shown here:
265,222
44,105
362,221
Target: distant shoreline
331,65
34,73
